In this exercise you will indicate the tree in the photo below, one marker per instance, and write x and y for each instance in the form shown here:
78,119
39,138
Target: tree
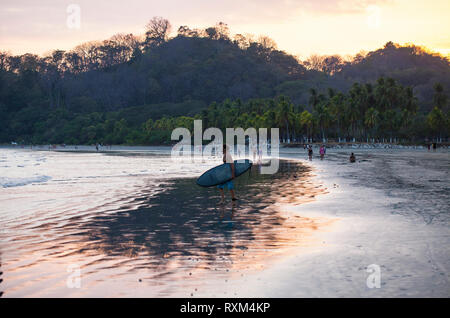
267,43
313,98
284,114
332,64
241,41
314,62
439,98
322,116
4,60
371,120
157,31
218,32
437,122
307,121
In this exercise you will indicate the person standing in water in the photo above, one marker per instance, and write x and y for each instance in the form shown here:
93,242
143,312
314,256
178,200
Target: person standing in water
310,152
322,152
352,158
228,159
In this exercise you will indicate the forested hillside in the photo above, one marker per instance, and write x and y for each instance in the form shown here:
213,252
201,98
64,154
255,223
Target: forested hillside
113,91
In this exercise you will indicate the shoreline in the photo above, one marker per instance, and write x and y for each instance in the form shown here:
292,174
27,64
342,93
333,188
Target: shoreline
293,145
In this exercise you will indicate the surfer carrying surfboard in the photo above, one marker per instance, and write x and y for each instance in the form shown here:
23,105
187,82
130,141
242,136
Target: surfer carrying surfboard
227,158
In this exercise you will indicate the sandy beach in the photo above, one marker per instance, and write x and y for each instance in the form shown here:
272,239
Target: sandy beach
391,210
135,225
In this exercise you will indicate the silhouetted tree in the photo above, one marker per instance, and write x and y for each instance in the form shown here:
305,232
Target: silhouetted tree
157,31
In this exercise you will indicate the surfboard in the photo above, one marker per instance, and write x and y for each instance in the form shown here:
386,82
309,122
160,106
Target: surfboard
222,173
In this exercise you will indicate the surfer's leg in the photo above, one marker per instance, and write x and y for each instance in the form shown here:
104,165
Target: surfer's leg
230,186
222,195
233,196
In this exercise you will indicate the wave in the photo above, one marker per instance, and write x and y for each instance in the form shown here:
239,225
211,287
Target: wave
6,182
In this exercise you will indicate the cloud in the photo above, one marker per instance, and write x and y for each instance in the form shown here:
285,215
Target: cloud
239,10
279,9
12,10
41,21
341,6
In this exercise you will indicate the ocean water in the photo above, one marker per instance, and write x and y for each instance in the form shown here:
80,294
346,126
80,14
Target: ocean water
133,223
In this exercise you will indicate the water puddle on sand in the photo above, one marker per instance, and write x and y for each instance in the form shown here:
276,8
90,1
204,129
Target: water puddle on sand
167,242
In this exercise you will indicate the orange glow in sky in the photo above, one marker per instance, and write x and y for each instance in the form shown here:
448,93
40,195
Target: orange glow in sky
299,27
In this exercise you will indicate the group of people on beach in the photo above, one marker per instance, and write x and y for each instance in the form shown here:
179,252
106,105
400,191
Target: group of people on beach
227,158
432,145
323,151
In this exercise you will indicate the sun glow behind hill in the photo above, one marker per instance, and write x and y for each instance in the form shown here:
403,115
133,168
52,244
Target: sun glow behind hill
443,52
299,27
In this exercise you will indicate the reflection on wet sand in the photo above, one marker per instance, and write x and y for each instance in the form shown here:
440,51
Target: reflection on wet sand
163,238
182,229
1,279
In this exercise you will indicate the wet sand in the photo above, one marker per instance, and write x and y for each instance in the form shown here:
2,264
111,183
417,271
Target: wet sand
310,230
393,211
133,234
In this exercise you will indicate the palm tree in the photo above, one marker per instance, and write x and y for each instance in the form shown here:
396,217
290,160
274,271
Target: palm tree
337,111
353,114
307,121
439,97
371,119
284,115
323,117
313,98
381,102
437,121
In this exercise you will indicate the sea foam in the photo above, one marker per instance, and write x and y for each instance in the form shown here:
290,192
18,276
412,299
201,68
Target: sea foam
6,182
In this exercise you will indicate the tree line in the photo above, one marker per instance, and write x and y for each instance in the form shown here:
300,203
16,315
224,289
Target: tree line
381,112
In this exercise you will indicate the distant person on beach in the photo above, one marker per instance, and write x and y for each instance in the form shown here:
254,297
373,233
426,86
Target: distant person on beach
434,146
322,152
429,147
96,146
310,152
227,158
352,158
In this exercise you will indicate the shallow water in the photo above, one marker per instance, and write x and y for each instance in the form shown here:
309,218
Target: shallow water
135,223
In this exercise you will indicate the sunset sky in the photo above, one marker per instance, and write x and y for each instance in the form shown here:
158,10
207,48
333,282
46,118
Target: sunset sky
300,27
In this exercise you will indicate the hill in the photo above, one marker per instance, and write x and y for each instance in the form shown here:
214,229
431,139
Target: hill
410,65
139,78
